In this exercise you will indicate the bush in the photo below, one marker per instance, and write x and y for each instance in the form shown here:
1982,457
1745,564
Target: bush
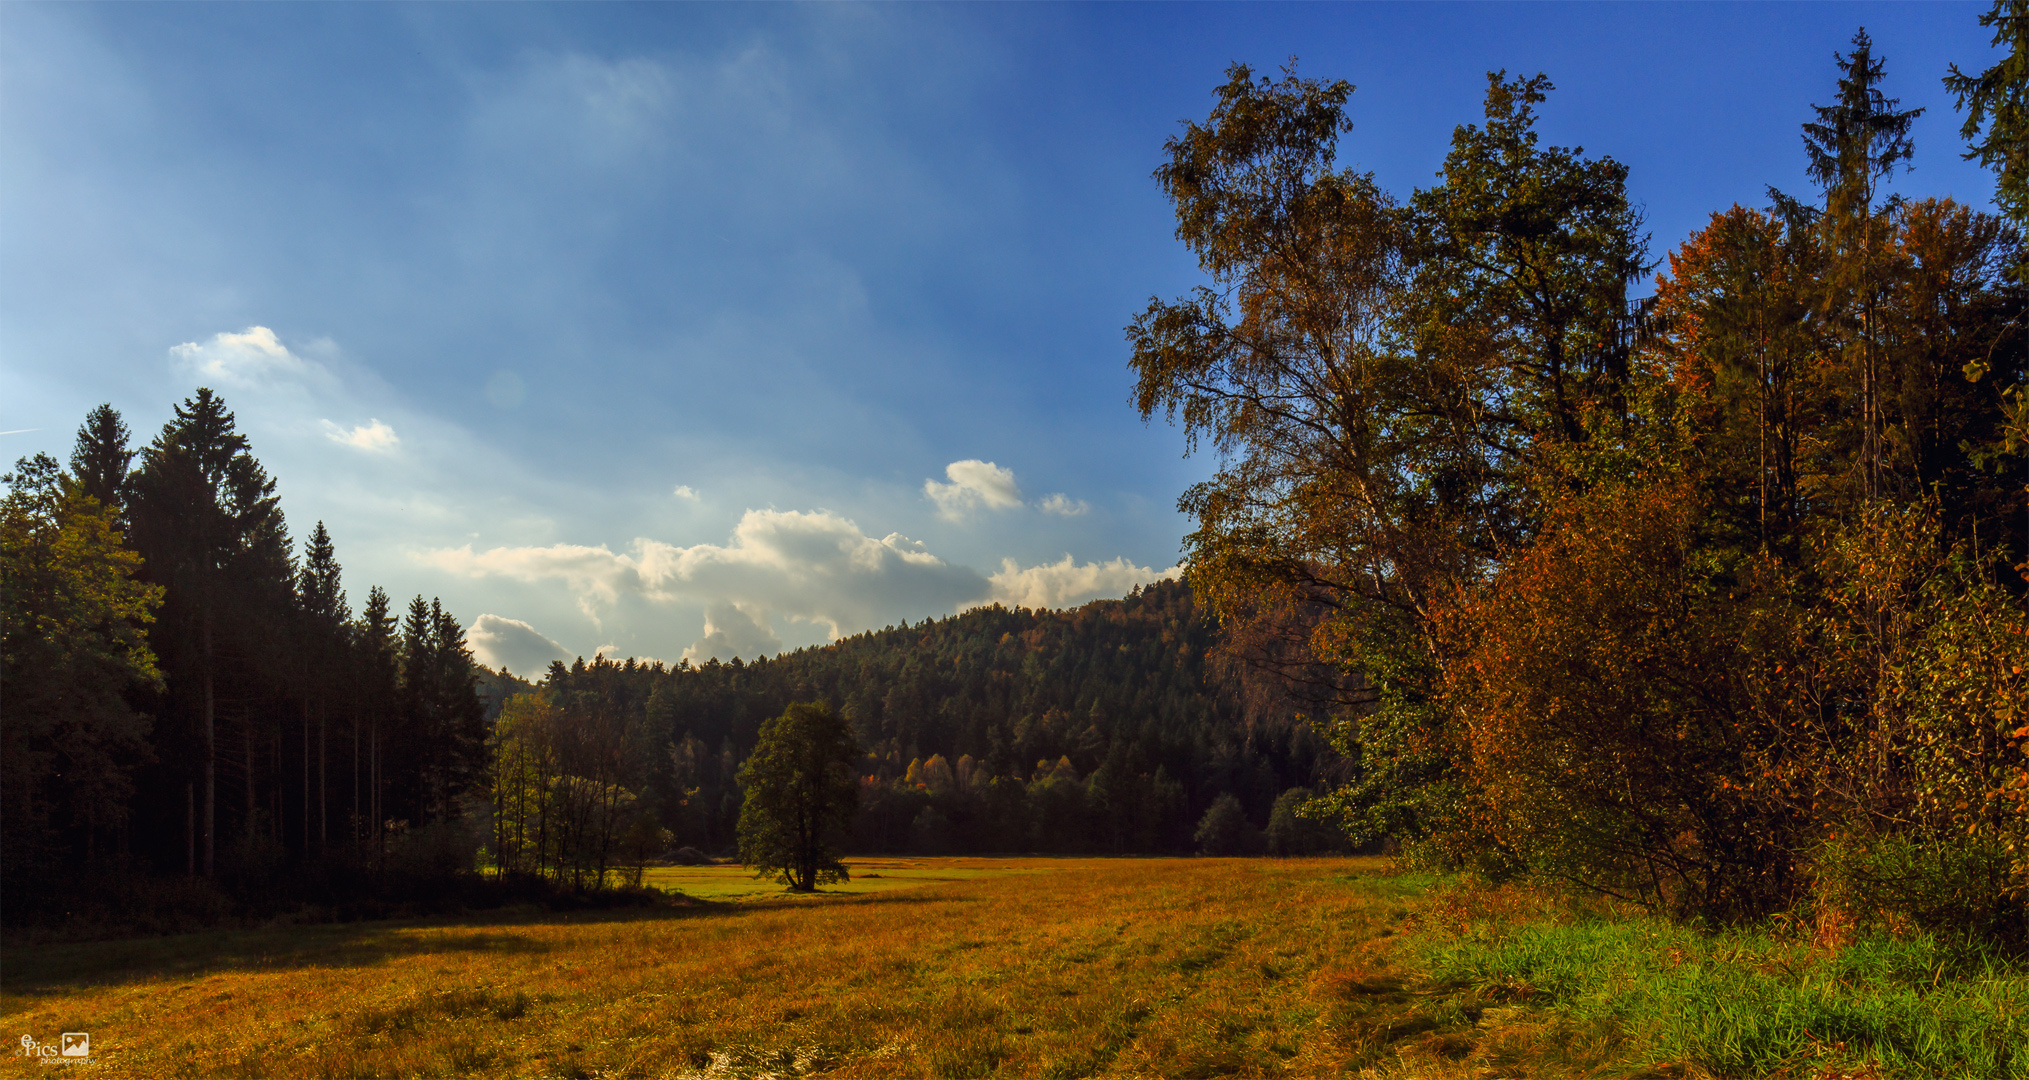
689,856
1958,889
1225,830
445,846
930,833
1291,833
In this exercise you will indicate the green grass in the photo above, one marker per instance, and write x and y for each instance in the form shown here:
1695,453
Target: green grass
1746,1003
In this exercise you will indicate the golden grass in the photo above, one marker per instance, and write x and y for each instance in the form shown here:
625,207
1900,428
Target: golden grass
1076,967
870,875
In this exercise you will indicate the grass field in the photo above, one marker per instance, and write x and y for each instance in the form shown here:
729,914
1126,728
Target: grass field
1020,967
869,876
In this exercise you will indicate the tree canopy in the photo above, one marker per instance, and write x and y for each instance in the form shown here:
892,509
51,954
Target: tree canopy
800,796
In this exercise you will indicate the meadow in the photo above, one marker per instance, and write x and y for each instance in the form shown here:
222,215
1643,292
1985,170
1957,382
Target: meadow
1025,967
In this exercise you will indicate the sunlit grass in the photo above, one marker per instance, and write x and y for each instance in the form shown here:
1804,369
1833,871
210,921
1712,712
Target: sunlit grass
868,876
1175,967
1029,967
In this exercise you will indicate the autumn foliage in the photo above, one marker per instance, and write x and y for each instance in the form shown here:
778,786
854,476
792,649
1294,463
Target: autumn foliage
1712,601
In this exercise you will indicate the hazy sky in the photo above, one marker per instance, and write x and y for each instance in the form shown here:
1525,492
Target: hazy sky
713,330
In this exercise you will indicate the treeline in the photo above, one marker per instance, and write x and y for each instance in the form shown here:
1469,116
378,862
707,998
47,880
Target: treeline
1712,601
188,692
1103,729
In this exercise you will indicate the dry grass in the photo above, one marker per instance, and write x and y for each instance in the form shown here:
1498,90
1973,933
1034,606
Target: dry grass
1168,967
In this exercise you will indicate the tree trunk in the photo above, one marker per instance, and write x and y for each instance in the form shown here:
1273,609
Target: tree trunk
247,741
323,779
379,849
355,783
306,776
210,754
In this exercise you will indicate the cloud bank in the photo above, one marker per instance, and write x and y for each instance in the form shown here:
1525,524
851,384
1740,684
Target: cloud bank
512,645
814,567
1066,583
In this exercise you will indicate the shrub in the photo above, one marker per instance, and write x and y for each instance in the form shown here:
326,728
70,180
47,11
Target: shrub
1225,830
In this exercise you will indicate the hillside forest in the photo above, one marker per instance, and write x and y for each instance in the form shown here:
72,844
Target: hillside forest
1694,577
189,692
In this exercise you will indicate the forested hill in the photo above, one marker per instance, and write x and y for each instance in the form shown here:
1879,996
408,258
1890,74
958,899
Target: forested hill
1101,727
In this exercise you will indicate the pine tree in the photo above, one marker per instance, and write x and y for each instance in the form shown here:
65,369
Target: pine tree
102,457
376,686
206,519
322,617
1996,104
1854,144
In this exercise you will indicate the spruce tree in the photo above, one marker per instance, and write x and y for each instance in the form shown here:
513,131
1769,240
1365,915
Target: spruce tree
102,457
206,519
321,608
1855,143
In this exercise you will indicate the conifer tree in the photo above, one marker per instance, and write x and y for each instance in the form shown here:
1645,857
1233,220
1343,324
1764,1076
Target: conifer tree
102,457
1996,104
376,688
322,617
1854,144
206,519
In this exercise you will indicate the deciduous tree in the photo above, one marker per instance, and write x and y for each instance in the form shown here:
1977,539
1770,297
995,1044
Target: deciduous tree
800,797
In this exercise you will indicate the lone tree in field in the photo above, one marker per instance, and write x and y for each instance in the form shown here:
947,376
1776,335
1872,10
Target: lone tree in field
801,794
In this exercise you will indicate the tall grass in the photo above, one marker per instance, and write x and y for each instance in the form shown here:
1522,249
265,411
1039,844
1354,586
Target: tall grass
1740,1004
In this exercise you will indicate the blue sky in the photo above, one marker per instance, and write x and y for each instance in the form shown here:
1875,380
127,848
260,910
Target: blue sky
703,330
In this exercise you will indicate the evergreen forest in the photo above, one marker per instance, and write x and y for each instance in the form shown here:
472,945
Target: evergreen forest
190,695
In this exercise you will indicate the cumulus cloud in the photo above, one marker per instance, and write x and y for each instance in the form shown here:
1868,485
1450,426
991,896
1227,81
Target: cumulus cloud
1067,583
373,437
1062,505
730,632
685,491
815,567
249,358
974,484
512,645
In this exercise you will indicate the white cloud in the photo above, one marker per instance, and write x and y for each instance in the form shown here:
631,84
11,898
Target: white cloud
374,437
730,632
1062,505
249,358
513,645
685,491
1068,584
974,484
814,567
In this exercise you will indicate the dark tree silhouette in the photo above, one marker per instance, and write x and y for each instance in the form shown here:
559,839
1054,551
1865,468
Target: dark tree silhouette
801,794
